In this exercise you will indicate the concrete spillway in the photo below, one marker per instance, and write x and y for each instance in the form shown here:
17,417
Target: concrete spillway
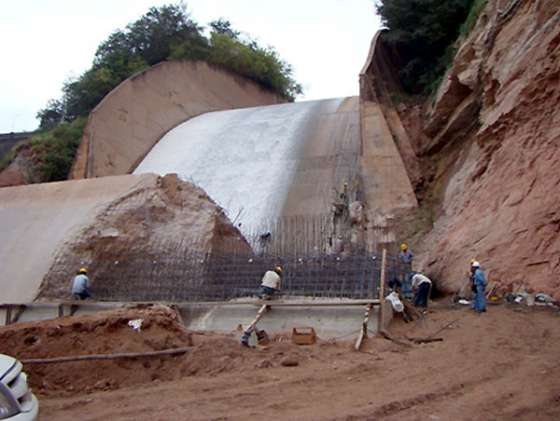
265,162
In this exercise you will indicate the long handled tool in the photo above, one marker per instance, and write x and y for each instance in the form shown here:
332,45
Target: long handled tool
251,328
363,331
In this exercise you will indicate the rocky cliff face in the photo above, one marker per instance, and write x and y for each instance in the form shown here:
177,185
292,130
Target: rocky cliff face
495,124
489,144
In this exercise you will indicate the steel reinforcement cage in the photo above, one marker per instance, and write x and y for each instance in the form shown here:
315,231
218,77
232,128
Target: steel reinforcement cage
196,277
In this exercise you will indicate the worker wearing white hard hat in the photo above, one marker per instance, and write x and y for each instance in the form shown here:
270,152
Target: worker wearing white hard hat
478,279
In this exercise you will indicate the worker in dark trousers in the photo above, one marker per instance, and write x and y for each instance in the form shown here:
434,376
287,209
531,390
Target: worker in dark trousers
405,258
421,285
478,280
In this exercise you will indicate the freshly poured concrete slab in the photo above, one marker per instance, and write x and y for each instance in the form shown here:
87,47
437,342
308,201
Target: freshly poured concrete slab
328,321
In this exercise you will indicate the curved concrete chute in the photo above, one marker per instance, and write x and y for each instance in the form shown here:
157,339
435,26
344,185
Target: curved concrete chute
263,163
125,125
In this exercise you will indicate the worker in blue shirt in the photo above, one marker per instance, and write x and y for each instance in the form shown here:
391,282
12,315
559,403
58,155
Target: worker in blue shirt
405,259
81,285
479,287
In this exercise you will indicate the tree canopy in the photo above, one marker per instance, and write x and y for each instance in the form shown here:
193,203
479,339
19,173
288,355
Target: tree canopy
424,31
167,33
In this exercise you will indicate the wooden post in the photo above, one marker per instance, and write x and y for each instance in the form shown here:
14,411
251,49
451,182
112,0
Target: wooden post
8,315
382,290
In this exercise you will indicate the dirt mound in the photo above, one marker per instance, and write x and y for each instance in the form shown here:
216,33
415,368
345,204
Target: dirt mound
103,333
13,175
110,332
139,245
502,364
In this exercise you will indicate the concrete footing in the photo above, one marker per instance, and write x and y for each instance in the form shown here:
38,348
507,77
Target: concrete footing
335,319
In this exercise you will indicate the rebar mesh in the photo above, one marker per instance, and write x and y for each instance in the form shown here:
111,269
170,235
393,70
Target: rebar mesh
196,277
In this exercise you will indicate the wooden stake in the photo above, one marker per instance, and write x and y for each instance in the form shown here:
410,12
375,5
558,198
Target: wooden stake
382,290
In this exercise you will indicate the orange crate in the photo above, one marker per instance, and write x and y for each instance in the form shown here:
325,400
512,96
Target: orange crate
304,335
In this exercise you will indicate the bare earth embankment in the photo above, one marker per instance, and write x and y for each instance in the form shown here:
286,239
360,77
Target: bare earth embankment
503,364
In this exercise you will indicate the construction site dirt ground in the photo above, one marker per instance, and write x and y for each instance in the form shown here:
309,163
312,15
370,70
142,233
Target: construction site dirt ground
503,364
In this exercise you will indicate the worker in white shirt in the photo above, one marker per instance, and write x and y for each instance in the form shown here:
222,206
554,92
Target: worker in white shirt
421,286
271,283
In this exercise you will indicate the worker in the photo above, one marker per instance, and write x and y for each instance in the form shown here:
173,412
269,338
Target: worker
405,255
81,285
271,283
405,259
421,286
478,280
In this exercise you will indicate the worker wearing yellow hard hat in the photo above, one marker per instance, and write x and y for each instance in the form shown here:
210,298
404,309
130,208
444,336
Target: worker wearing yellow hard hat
405,260
81,285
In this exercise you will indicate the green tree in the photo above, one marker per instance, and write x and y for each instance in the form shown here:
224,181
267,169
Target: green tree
163,33
51,115
223,26
423,32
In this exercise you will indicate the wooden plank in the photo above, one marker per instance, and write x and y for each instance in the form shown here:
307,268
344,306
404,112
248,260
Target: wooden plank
309,304
390,337
94,357
274,303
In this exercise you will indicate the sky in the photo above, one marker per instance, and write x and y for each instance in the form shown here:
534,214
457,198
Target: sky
45,42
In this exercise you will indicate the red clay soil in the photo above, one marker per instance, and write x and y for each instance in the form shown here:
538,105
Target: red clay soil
102,333
503,364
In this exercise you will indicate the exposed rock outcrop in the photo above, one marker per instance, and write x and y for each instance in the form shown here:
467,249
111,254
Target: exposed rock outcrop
492,138
500,204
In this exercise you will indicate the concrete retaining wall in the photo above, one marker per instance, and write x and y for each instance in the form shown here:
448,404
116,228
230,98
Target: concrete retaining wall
329,321
123,128
35,220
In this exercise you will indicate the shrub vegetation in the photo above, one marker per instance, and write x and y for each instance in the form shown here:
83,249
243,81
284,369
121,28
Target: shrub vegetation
163,33
424,33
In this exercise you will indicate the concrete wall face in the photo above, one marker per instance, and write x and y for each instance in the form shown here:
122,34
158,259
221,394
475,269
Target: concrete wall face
135,115
266,162
37,219
388,163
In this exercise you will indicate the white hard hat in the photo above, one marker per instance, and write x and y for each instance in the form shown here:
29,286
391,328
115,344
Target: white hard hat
475,264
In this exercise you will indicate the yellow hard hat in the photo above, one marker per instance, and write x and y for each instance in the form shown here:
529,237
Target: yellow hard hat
404,246
278,270
82,270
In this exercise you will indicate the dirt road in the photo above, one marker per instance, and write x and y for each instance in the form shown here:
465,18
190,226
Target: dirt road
503,364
